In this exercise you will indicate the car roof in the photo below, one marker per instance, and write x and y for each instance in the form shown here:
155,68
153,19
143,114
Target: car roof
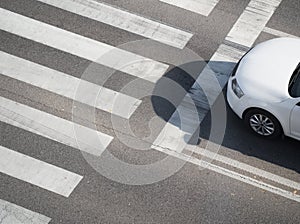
266,70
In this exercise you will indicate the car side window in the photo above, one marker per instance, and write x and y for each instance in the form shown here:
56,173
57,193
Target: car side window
295,91
294,85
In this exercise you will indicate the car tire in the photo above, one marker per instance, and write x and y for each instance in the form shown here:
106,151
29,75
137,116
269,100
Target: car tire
263,124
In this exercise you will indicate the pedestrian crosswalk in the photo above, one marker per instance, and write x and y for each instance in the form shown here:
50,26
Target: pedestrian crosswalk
81,46
66,85
149,70
38,122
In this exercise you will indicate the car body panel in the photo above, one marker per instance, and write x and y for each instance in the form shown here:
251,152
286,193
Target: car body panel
269,67
295,121
269,91
281,110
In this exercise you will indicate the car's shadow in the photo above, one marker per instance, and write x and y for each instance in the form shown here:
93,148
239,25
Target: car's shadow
282,152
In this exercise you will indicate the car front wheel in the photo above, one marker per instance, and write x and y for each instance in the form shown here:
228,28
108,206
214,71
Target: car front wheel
263,123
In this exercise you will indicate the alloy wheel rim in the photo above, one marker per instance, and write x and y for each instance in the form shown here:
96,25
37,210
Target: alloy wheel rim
262,124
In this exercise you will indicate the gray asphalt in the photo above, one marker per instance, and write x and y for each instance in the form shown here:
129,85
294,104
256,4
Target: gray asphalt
190,195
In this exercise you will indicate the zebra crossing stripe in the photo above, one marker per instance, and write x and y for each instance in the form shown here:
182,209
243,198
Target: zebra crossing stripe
179,129
14,214
252,21
81,46
203,7
52,127
37,172
124,20
66,85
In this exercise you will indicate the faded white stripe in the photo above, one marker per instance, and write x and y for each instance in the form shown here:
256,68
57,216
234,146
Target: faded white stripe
278,33
66,85
124,20
52,127
245,167
203,7
252,21
192,110
232,174
37,172
14,214
87,48
179,129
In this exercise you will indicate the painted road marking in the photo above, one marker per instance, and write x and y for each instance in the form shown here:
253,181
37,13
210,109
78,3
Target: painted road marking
179,128
245,167
278,33
124,20
82,46
37,172
232,174
178,131
66,85
52,127
252,21
14,214
203,7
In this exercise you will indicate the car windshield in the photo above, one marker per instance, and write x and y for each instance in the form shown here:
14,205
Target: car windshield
294,85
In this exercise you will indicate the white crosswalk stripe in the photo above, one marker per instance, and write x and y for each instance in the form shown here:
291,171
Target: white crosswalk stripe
124,20
203,7
252,22
81,46
179,129
66,85
14,214
51,127
37,172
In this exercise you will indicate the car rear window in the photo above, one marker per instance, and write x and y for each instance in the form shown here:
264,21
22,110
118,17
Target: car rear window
294,85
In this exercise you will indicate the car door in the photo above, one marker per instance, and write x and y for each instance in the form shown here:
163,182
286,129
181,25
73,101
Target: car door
295,120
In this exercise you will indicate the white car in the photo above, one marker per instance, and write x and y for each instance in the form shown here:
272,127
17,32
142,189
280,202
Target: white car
264,88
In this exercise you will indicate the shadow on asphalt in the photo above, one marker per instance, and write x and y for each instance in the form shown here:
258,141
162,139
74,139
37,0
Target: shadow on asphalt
282,152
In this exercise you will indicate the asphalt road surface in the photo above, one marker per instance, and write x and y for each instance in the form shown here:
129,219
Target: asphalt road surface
113,112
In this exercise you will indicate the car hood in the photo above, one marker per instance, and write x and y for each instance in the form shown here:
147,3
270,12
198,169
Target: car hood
264,73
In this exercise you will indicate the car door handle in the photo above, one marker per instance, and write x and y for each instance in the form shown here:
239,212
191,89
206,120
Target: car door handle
298,104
